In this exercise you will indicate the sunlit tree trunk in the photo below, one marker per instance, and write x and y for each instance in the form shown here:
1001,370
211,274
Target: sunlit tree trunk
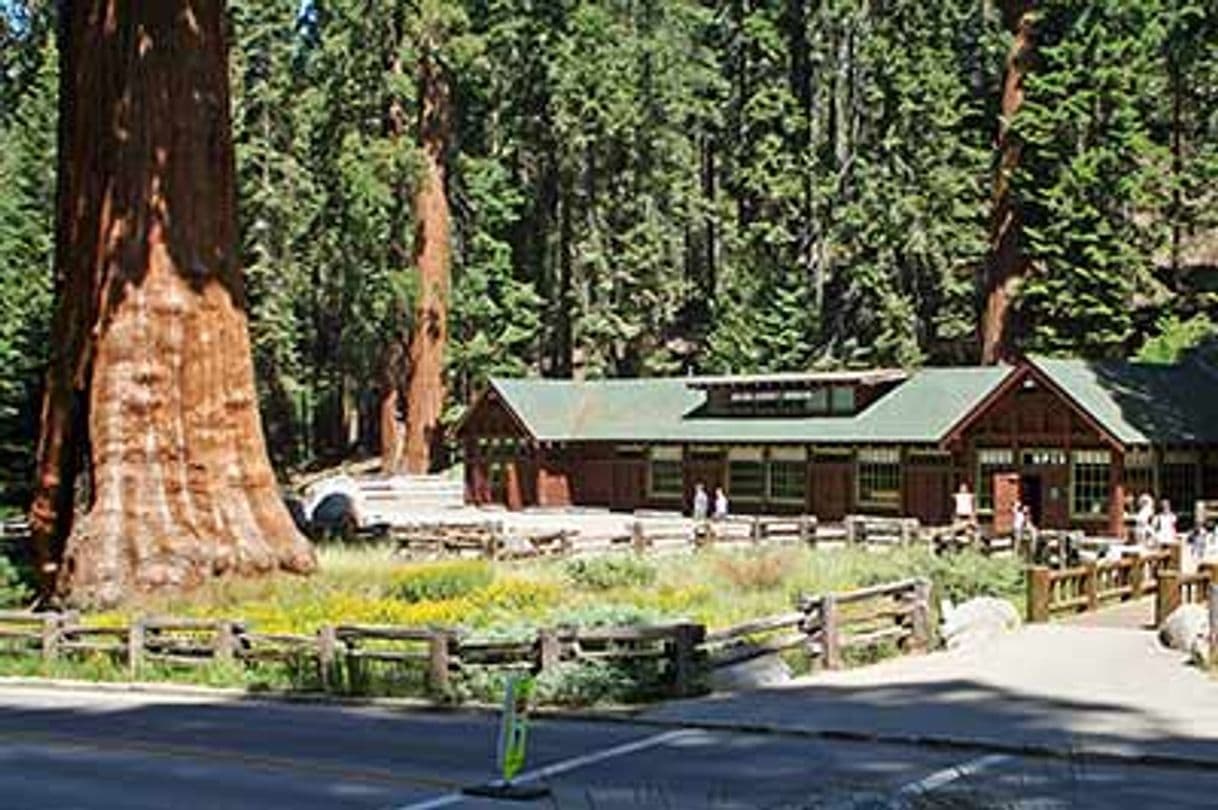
151,384
1007,264
425,389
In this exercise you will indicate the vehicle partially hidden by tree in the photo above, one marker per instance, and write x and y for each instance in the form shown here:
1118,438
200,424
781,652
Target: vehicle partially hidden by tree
150,407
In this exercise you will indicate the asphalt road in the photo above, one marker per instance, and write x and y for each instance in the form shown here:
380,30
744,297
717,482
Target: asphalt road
76,750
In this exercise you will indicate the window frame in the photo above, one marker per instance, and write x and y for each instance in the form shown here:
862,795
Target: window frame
1090,460
665,455
870,462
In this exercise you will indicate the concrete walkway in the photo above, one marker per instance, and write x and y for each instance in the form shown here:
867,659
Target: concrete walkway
1138,614
1064,688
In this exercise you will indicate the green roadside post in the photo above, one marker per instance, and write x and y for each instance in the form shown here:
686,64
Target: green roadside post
512,750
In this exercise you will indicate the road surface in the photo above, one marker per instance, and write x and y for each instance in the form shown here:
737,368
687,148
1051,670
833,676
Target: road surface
81,750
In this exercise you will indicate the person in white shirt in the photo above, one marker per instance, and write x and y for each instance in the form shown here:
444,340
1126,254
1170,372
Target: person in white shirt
720,503
963,505
701,502
1143,533
1164,525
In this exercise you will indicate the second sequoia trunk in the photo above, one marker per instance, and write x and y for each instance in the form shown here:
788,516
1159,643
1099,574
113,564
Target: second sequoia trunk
151,385
1007,263
425,388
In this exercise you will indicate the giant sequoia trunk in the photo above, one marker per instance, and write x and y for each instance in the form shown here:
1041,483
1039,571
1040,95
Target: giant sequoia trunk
151,386
425,389
1007,263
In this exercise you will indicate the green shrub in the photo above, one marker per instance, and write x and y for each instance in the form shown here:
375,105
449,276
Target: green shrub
604,573
432,582
963,576
16,587
605,615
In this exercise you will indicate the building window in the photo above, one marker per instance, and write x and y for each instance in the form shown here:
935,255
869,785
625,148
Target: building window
1139,473
665,473
1043,457
879,477
989,462
746,473
841,400
1178,481
788,474
1091,484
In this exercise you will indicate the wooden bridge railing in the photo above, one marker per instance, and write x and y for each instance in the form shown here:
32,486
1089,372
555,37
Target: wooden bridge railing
1176,589
1088,587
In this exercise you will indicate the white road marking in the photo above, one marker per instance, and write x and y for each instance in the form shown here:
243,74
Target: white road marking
565,766
946,776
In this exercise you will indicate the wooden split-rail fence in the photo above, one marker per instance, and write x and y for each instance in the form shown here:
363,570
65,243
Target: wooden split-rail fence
492,540
1053,592
676,657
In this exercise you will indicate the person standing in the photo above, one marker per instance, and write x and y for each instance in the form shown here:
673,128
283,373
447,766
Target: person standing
701,502
1165,524
1143,533
963,503
720,503
1019,519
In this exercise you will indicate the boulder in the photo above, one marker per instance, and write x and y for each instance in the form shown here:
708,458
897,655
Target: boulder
756,673
1187,630
977,621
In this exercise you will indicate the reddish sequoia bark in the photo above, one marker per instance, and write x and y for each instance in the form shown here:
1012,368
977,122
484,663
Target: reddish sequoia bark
1007,264
152,375
395,366
425,390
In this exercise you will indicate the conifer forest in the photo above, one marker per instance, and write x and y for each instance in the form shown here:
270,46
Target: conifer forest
432,192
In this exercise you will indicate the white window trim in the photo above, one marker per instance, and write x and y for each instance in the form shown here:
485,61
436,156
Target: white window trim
1092,458
788,454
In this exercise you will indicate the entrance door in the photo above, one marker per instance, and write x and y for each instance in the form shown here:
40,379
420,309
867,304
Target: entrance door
1006,495
1032,492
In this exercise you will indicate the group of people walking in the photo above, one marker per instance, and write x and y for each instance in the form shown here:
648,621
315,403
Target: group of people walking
702,503
1151,528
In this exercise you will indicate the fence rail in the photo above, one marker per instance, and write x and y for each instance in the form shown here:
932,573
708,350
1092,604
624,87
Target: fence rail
676,656
1089,587
1176,589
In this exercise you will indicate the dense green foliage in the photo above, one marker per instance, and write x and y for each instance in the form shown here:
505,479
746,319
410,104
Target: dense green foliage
605,573
664,186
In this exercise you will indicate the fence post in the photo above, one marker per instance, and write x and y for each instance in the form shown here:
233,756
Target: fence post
327,656
830,637
852,532
756,529
225,644
1167,597
135,646
1137,577
549,651
1038,593
807,530
1093,586
638,541
51,627
685,642
921,619
1213,639
437,662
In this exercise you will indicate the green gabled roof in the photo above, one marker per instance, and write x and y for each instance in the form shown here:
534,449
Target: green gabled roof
918,411
1142,403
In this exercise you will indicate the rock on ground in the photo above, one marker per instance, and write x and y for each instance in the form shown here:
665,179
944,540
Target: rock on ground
1187,630
977,621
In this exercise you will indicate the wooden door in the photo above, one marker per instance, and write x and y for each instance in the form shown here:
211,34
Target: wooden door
928,494
831,487
629,485
1006,494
